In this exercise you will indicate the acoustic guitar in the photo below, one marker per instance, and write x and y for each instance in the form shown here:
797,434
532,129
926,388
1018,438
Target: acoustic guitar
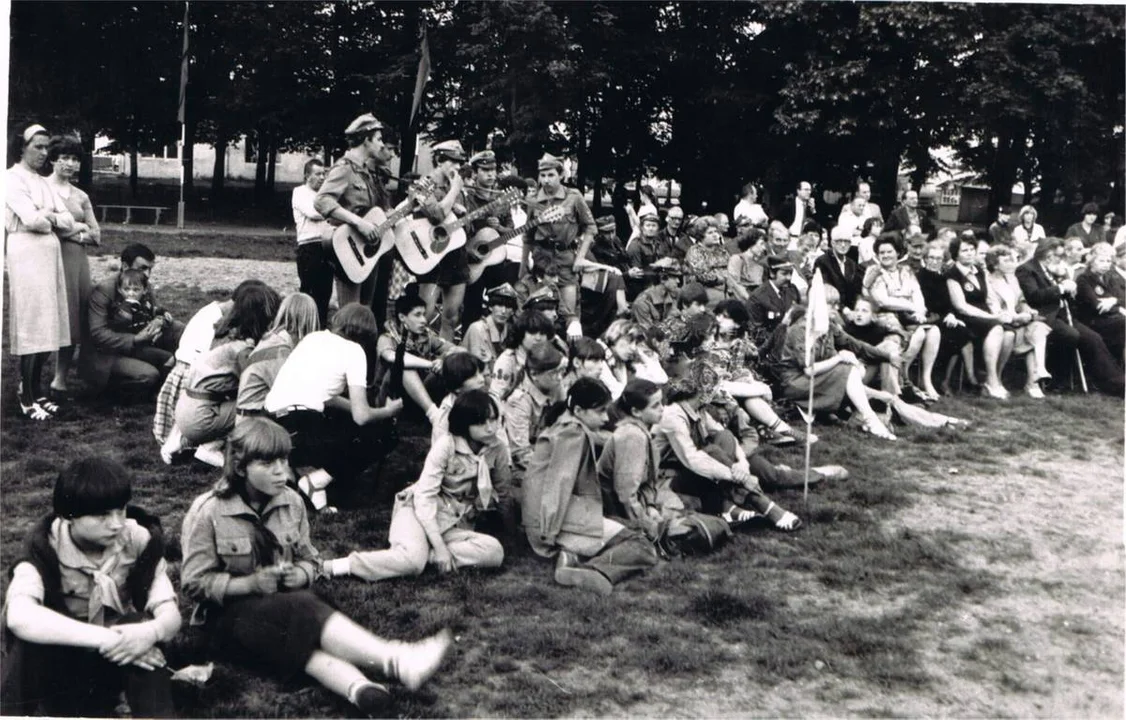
357,256
486,248
422,244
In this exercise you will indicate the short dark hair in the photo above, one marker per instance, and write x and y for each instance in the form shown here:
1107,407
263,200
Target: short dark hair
63,145
309,165
885,239
584,348
529,321
750,237
866,228
736,310
457,367
355,322
693,292
588,394
1090,209
137,250
512,181
92,486
472,407
636,395
1043,248
407,302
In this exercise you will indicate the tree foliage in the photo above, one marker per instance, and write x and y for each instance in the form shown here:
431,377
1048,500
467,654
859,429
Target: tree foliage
712,94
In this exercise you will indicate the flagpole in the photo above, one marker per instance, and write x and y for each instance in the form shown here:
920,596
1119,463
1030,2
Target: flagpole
183,105
816,325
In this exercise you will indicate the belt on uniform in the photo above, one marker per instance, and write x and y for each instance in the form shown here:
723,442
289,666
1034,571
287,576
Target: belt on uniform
250,412
289,409
557,247
208,396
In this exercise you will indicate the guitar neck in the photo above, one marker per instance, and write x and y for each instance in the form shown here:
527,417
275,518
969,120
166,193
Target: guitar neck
480,212
400,212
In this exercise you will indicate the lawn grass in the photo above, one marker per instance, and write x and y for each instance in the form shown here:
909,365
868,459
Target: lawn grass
853,593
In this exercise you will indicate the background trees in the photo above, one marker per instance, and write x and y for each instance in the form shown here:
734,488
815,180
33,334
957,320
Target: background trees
712,94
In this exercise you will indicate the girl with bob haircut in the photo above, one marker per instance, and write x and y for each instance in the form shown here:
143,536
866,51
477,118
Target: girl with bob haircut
460,372
629,467
466,473
88,604
334,437
562,498
249,566
297,316
205,412
529,328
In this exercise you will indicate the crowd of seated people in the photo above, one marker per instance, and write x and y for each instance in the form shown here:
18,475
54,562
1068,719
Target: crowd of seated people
586,449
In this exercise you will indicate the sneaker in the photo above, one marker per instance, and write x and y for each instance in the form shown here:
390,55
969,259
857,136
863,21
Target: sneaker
1034,391
371,698
567,573
417,662
172,445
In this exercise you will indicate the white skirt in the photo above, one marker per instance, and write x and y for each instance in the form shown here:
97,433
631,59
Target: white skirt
37,305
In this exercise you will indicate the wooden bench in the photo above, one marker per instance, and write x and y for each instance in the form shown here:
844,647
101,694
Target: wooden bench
129,211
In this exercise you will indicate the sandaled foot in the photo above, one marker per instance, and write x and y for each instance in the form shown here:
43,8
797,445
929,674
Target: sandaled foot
48,405
997,392
783,520
34,412
1034,391
736,515
313,487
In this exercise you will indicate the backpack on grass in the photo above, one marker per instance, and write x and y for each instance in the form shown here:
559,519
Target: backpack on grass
692,534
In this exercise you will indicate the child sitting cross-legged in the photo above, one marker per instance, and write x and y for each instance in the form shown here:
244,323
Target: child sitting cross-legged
88,603
466,473
249,565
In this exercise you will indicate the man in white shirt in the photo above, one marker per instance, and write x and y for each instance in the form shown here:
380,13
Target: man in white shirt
864,190
313,268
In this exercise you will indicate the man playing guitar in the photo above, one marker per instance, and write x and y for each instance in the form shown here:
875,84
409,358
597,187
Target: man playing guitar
557,241
353,186
452,273
482,192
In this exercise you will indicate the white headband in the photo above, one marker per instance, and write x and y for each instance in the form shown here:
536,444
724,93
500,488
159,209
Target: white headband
32,131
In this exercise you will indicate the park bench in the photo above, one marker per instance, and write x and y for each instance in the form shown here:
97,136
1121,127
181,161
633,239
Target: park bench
129,211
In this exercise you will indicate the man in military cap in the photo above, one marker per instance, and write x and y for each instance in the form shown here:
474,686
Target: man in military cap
480,191
564,242
452,272
485,338
352,187
644,249
659,302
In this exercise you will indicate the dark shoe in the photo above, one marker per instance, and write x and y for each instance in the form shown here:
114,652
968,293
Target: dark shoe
567,573
372,699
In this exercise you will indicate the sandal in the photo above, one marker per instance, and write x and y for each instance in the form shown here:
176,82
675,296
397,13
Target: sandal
35,412
783,520
312,486
48,405
736,515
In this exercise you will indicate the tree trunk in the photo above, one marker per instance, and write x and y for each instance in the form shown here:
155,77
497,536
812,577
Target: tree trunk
219,171
271,168
86,172
597,204
133,171
189,157
261,140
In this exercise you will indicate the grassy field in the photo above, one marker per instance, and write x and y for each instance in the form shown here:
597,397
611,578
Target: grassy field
958,573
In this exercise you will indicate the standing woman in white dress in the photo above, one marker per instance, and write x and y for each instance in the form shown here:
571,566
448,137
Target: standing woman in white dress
64,155
37,288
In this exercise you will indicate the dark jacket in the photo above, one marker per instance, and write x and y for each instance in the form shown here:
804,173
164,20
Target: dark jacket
1091,288
847,279
766,308
1040,291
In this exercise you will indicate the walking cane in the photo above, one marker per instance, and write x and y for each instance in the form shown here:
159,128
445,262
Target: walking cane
1078,357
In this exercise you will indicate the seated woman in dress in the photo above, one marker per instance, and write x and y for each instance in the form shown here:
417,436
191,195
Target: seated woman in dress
969,296
955,335
205,412
249,569
321,397
863,325
628,355
835,368
1025,334
467,473
746,269
898,299
562,499
706,261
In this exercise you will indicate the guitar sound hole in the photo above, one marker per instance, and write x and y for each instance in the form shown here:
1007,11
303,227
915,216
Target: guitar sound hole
370,250
439,239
